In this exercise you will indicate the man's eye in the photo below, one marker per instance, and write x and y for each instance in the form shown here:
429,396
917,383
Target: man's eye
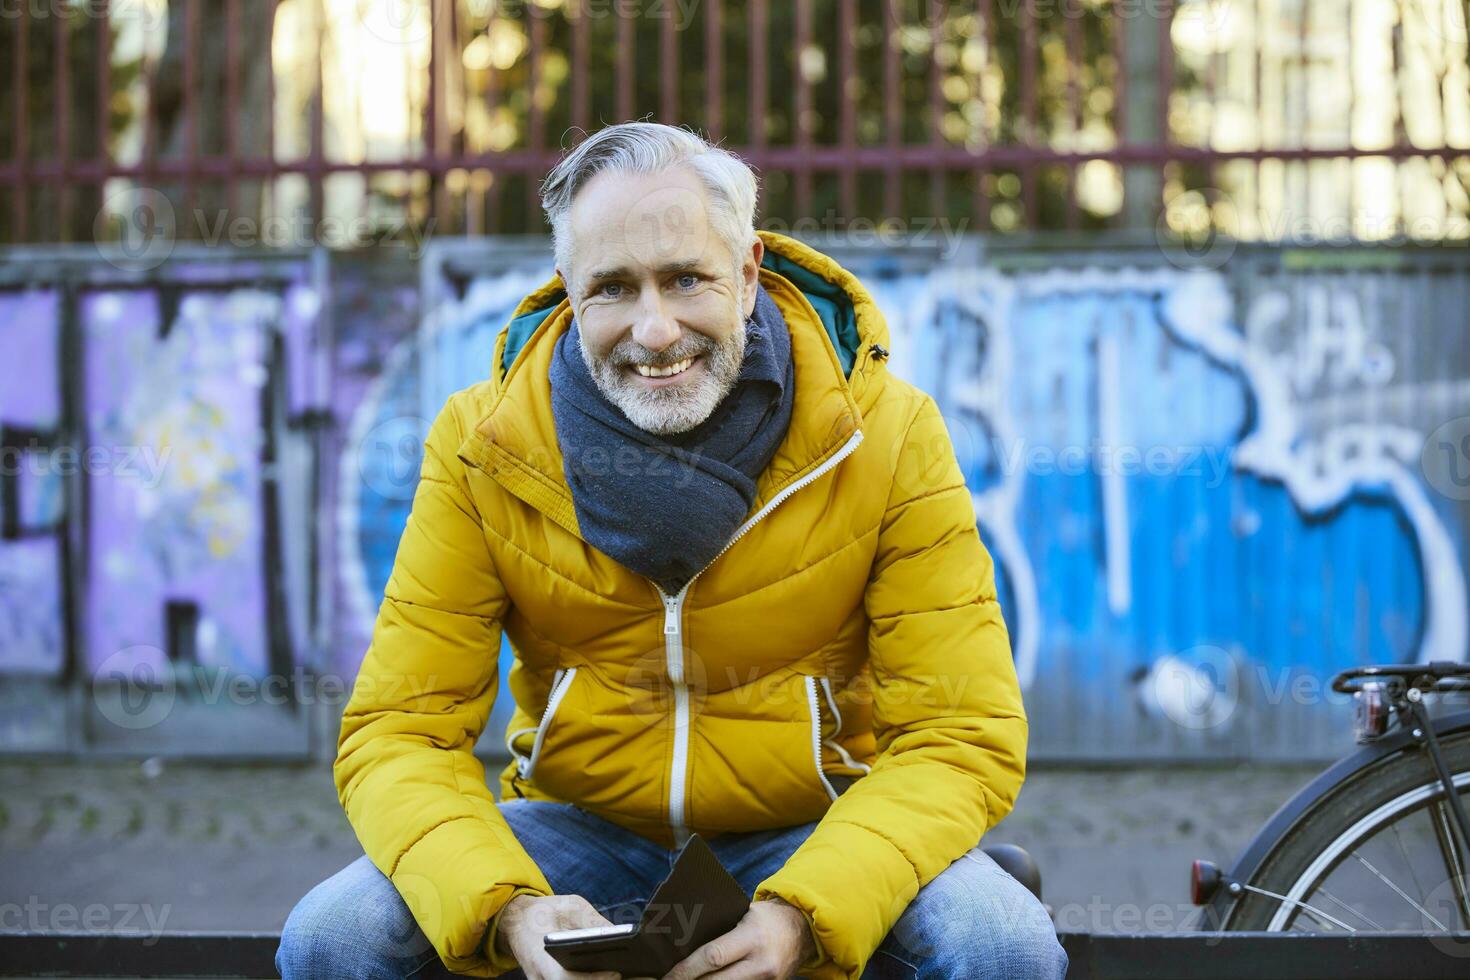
688,281
612,290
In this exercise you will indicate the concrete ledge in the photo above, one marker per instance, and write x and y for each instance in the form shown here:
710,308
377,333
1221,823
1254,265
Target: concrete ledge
1094,956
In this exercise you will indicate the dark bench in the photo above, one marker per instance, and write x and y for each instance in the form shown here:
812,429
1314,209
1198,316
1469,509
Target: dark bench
1175,956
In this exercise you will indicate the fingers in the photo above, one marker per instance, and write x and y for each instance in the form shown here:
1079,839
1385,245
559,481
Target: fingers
713,957
581,914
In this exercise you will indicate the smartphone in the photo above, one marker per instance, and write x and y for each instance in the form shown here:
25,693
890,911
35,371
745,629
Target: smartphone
570,937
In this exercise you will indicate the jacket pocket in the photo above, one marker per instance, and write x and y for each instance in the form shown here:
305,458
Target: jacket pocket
526,758
831,742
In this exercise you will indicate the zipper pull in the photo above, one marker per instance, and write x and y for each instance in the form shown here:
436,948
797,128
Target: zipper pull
671,617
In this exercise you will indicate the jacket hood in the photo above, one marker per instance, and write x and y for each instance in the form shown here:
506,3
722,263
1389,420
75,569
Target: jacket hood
835,327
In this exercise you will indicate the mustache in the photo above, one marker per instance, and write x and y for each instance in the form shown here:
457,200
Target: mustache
629,353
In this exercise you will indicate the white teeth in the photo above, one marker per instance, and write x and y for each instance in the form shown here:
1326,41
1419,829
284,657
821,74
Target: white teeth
664,372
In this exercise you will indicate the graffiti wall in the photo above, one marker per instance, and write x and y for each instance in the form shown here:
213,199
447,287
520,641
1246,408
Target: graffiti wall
1207,488
153,486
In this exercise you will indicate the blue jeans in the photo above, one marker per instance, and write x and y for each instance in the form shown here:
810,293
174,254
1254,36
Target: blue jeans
973,921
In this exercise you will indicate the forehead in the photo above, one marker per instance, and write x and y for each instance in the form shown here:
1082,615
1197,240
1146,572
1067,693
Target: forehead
642,221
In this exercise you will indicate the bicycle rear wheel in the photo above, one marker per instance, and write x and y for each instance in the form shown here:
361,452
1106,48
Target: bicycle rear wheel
1376,854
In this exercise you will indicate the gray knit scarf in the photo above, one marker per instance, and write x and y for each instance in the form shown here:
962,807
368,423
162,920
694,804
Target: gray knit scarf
665,506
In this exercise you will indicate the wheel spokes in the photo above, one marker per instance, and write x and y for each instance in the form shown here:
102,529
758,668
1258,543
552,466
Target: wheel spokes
1449,850
1401,893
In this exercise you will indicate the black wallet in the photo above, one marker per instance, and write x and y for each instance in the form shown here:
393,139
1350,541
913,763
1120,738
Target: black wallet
697,902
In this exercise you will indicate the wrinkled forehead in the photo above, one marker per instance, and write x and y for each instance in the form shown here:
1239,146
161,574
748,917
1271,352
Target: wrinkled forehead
644,223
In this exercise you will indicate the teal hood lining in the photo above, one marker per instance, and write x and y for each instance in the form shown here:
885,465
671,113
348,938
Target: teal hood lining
830,301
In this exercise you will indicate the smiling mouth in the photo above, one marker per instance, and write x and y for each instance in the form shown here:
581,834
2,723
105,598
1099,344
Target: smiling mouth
660,373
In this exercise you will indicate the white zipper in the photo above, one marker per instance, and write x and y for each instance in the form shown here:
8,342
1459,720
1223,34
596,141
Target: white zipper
835,745
811,697
559,684
674,645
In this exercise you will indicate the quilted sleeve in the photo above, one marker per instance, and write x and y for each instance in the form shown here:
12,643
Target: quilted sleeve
405,769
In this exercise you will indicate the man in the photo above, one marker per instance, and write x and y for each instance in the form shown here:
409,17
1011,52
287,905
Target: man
739,568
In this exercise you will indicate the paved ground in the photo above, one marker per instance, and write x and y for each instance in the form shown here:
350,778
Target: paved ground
121,845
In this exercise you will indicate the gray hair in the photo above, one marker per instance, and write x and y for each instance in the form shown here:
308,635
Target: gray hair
650,148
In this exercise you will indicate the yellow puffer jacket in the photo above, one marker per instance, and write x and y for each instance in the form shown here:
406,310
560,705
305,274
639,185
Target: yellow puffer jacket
844,658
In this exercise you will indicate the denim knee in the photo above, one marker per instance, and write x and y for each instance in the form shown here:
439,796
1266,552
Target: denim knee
352,924
973,921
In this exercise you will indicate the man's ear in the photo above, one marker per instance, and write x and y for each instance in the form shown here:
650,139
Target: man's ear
750,273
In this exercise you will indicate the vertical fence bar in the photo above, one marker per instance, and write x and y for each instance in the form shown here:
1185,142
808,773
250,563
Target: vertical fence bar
1166,85
892,110
981,205
19,89
803,110
1120,91
1303,106
758,79
714,80
150,119
536,122
232,103
191,100
62,57
581,113
668,54
627,49
1352,90
935,13
847,103
103,72
433,112
1028,54
314,165
492,200
1258,40
1072,14
268,189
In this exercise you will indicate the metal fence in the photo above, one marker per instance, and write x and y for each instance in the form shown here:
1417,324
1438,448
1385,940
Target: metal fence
1264,119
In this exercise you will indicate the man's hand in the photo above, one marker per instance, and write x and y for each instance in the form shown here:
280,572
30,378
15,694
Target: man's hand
526,919
770,943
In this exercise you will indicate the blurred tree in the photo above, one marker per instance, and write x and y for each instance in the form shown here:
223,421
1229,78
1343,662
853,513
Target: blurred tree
214,127
56,211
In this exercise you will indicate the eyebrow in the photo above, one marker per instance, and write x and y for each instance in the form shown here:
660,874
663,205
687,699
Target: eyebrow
669,268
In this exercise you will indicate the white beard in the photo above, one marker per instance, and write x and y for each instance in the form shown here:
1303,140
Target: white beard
675,408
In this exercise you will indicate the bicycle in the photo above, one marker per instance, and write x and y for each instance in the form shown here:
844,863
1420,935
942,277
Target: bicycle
1380,842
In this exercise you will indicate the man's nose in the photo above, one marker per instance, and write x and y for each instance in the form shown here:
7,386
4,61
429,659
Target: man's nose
654,328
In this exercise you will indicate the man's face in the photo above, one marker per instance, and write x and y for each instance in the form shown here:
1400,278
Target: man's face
660,301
